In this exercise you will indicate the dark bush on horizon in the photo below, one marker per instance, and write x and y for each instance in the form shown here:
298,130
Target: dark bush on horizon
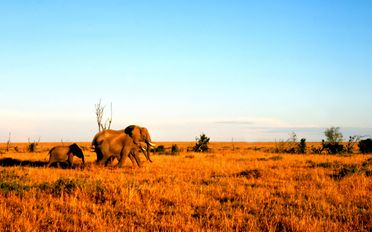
175,150
365,146
201,143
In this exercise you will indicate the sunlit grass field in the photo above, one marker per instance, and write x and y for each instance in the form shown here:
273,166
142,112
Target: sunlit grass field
235,187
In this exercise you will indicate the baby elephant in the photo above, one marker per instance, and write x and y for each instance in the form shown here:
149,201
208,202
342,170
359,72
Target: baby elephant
62,154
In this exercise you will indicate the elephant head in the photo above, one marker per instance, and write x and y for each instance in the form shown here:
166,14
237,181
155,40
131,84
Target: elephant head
76,151
140,135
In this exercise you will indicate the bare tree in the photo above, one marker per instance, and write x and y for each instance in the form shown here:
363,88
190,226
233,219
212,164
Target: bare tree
99,114
8,143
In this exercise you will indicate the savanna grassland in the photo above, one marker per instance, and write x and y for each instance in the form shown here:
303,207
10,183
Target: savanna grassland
235,187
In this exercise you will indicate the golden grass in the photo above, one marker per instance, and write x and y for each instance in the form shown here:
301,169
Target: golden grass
244,190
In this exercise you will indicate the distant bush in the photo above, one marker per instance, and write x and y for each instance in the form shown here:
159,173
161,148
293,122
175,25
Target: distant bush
291,145
332,147
175,149
365,146
333,144
316,149
32,146
201,143
302,146
160,149
351,143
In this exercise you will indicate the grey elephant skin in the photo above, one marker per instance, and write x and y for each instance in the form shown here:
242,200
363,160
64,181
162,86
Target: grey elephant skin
111,144
65,154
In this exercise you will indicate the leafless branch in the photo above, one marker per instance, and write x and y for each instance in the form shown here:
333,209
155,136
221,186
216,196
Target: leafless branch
8,143
99,115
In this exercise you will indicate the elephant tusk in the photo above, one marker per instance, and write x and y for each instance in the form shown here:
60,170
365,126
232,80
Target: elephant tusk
143,149
152,144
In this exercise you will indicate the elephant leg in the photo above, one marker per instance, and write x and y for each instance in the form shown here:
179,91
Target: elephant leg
58,165
69,163
48,165
123,155
99,156
109,160
134,158
70,160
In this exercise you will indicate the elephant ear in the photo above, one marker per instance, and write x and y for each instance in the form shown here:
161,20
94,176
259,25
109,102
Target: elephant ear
134,132
76,150
73,147
145,134
129,130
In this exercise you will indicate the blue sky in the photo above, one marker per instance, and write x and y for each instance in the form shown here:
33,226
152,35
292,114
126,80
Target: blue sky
242,70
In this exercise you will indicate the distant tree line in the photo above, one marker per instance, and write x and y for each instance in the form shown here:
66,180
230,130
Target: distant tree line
333,144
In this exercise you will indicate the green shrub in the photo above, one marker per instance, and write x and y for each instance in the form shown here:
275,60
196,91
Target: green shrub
7,187
334,137
160,149
201,143
302,146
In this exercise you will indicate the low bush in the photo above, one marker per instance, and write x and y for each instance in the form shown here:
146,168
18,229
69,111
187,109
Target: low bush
160,149
365,146
201,143
175,150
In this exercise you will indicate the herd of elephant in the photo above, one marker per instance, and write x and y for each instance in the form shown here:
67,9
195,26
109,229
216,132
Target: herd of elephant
108,145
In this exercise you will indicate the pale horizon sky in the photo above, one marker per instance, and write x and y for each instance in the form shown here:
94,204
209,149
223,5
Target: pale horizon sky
241,70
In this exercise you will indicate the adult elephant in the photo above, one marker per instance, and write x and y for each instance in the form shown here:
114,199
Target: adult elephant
110,144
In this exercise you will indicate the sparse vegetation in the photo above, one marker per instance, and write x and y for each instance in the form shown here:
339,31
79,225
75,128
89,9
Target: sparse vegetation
32,146
333,143
201,143
244,190
353,140
291,145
